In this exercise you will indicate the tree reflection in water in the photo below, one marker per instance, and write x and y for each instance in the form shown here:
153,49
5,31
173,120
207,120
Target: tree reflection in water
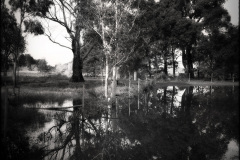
164,123
196,129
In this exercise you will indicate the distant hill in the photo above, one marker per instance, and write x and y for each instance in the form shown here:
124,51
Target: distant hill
64,69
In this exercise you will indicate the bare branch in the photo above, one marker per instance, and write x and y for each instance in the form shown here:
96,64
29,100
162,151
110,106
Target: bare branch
89,51
68,139
69,8
133,23
50,38
125,58
64,14
69,39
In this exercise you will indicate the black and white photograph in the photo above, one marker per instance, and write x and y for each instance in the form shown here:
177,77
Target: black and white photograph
119,80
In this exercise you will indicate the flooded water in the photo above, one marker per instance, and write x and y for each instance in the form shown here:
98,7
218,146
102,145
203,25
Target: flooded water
168,123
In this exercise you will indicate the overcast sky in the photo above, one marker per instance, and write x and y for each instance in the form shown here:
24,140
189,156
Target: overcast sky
41,47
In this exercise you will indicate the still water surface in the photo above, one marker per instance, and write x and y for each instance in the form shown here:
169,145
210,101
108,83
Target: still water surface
168,123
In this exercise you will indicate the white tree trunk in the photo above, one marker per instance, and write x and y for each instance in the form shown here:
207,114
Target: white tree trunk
135,76
106,78
114,82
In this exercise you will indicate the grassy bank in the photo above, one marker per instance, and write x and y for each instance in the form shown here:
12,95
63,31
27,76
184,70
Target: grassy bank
32,89
59,85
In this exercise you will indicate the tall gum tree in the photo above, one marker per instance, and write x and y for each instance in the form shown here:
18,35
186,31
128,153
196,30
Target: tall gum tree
12,41
114,21
156,23
23,22
73,16
179,23
201,14
8,30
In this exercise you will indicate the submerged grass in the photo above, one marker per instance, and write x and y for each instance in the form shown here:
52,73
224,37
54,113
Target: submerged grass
41,90
31,96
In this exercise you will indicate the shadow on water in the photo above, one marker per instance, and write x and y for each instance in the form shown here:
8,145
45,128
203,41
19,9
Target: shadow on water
169,123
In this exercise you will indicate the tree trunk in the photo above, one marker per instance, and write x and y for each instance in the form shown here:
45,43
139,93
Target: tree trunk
149,62
187,99
172,104
165,63
114,76
149,68
173,59
156,62
5,62
184,58
77,62
189,61
14,74
106,77
198,71
77,69
94,70
5,68
135,76
76,130
114,83
164,98
4,110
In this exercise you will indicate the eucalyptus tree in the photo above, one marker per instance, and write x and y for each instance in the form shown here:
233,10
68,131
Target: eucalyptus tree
21,9
220,52
73,16
213,43
198,16
114,23
163,29
202,51
94,62
135,64
12,41
8,30
157,22
179,24
222,37
146,28
231,52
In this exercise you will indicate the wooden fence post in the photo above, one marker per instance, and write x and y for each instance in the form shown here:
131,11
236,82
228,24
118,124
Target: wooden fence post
138,91
129,109
83,96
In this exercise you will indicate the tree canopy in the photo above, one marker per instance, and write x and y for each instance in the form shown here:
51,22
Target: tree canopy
137,36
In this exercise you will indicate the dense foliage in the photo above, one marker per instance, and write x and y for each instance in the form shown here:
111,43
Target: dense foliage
12,42
140,36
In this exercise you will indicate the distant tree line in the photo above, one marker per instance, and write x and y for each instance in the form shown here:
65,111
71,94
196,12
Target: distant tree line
26,60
